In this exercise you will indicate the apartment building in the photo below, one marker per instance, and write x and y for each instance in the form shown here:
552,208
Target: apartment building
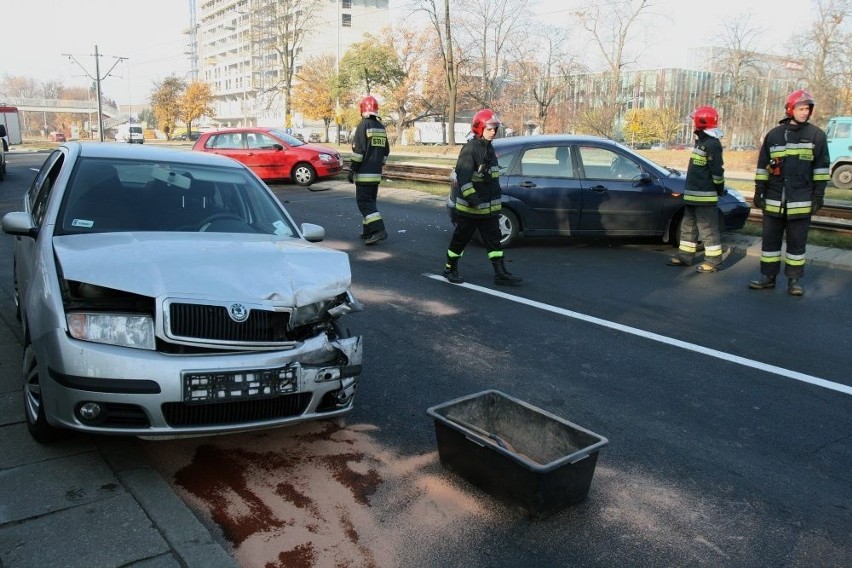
236,49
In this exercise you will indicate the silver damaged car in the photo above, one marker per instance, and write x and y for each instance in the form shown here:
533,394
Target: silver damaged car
166,293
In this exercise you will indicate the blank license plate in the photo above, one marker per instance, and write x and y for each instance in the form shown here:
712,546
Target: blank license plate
238,385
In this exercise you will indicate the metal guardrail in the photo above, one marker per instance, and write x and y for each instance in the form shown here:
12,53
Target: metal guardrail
834,216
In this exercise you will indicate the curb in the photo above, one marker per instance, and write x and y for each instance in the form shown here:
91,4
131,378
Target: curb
173,519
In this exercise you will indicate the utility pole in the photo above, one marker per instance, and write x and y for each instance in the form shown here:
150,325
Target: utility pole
97,79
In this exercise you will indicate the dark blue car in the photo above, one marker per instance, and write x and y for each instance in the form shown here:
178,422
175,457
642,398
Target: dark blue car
585,186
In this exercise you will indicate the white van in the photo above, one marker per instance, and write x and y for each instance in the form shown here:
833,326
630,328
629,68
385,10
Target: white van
130,133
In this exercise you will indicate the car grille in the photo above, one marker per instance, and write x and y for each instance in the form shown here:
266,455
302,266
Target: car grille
178,414
203,321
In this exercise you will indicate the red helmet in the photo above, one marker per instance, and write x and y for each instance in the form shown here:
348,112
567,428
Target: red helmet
369,106
705,117
797,97
485,117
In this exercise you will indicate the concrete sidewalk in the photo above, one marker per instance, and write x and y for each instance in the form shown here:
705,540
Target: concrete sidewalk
94,502
87,502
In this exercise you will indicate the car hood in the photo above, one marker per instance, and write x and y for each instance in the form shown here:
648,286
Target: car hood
320,149
219,266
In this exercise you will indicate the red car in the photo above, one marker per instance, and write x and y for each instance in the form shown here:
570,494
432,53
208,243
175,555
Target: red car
273,154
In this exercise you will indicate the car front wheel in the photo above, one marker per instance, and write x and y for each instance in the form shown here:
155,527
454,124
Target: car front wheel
304,174
509,228
41,431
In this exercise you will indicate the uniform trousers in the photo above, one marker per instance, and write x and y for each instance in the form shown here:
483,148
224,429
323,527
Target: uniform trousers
774,229
700,224
466,227
365,197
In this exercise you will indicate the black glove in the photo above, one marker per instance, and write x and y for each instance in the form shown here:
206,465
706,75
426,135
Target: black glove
473,199
721,191
351,176
816,204
758,200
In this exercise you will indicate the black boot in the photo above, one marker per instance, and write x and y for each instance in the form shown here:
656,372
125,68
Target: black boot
379,235
451,270
502,276
766,282
794,288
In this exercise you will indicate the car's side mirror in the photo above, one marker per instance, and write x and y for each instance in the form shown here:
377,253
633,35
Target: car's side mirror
644,177
2,130
313,233
20,224
278,147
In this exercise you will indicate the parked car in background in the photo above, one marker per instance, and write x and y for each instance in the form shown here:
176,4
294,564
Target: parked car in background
273,154
165,292
56,137
584,186
191,136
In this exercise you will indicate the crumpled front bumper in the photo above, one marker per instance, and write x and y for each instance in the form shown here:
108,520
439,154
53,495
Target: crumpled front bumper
198,394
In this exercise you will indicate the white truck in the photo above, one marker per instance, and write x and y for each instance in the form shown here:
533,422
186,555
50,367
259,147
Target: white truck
130,132
839,133
10,133
435,132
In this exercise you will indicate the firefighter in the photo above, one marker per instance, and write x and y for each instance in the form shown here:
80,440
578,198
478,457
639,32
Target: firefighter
793,169
705,182
475,200
369,154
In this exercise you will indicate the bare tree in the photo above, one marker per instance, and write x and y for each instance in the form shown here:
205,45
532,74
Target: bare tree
492,29
447,50
611,25
555,72
824,50
741,68
279,28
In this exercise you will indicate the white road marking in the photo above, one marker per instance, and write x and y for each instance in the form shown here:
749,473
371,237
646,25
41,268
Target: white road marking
795,375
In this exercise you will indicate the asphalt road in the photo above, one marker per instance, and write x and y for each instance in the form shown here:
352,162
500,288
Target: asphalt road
728,445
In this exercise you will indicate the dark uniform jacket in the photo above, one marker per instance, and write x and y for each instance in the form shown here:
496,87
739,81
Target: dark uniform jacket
369,151
705,175
793,167
476,189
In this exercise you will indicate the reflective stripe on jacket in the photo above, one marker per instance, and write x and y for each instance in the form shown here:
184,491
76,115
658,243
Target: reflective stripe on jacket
705,175
803,170
370,151
476,172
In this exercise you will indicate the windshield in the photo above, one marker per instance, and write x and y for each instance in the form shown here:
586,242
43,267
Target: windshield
289,139
135,195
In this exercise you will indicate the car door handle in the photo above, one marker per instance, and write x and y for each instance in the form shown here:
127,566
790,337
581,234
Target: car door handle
599,189
526,184
250,154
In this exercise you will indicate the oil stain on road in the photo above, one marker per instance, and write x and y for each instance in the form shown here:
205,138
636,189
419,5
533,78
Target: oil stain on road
317,494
